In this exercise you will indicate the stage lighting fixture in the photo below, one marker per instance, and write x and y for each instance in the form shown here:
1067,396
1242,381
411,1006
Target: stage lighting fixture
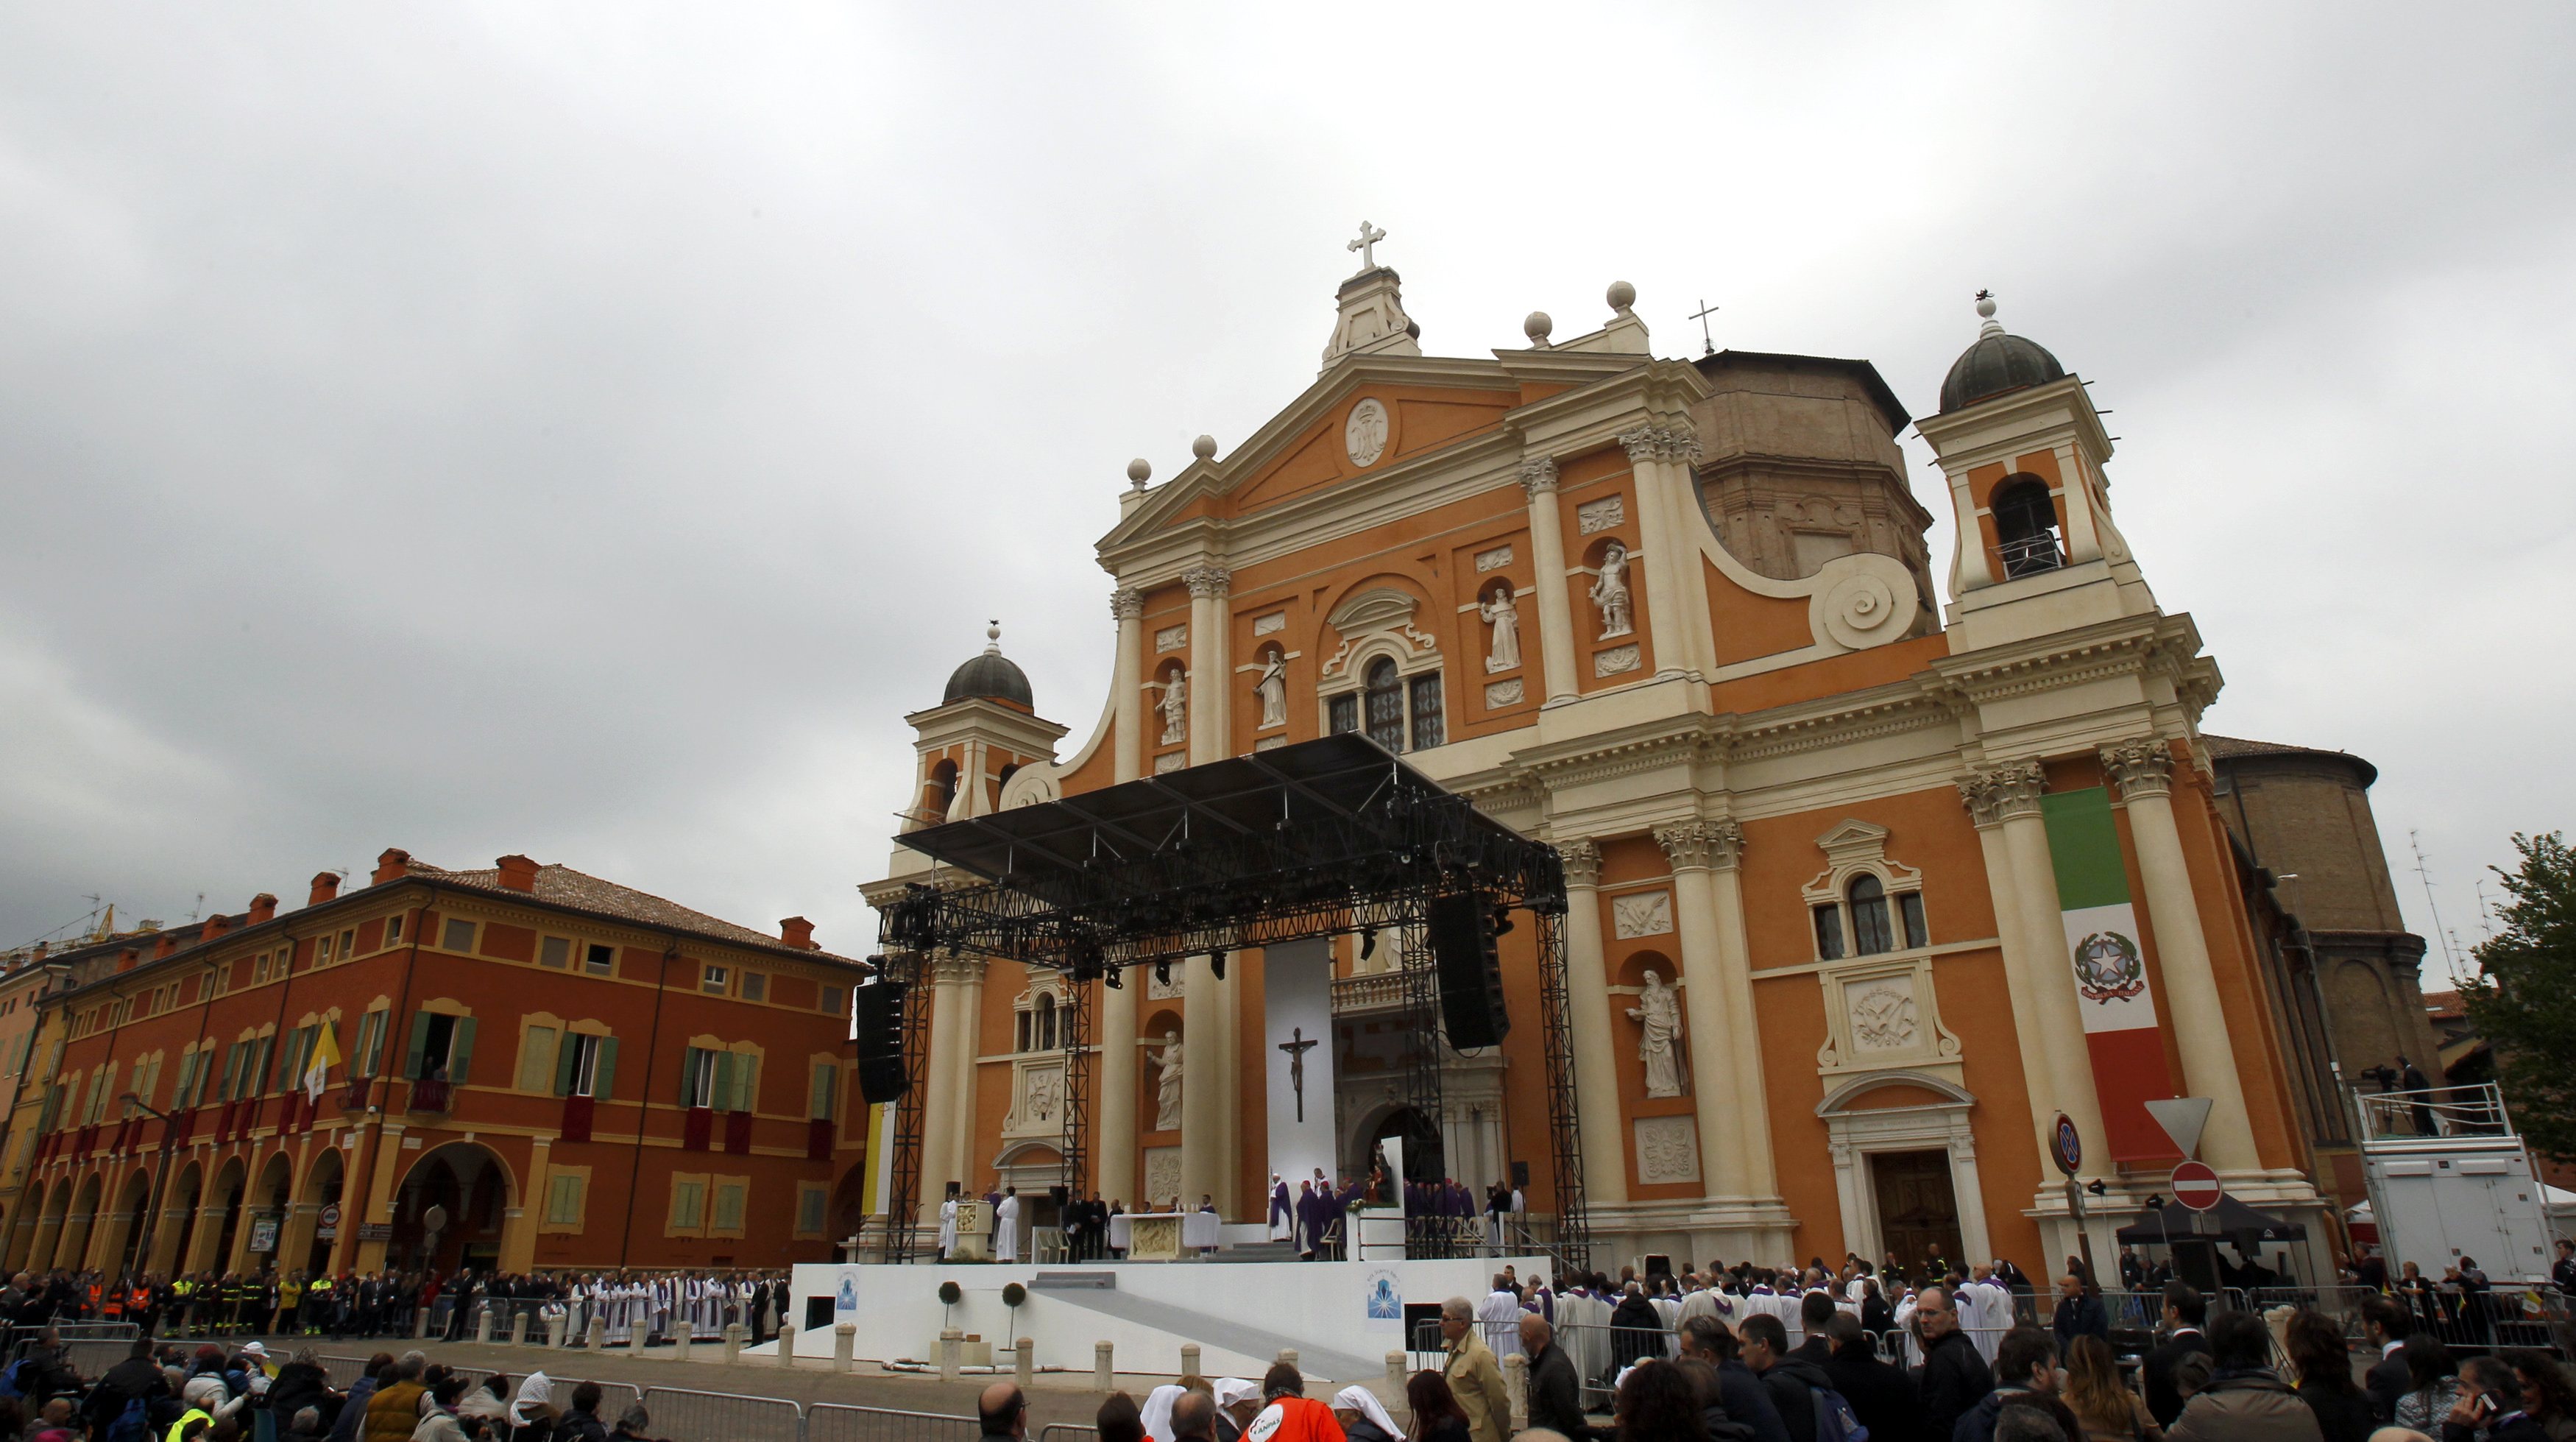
2096,1187
2156,1203
1502,920
1368,942
1114,978
1216,963
1162,973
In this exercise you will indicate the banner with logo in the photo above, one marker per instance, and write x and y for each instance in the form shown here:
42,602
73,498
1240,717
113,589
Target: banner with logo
2110,966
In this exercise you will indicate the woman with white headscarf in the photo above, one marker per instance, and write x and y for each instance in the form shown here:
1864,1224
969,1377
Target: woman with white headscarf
1363,1417
535,1402
1156,1414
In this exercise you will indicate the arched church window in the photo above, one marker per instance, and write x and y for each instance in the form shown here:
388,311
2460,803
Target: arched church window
1384,698
2026,527
1870,934
1046,1024
943,789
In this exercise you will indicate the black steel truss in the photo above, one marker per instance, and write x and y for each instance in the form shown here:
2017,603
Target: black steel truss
1328,837
903,1209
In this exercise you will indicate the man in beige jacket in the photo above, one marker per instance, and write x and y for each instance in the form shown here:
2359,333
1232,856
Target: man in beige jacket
1474,1376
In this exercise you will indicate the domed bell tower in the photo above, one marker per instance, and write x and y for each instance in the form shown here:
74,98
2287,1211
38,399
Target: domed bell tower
984,729
2035,550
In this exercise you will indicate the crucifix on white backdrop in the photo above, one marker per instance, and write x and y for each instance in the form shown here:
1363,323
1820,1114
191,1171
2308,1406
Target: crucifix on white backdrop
1297,1046
1366,245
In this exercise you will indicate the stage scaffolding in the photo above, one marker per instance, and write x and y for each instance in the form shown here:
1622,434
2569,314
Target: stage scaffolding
1325,838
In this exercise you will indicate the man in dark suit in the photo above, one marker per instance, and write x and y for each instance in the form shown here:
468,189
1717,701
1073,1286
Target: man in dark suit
1955,1376
1881,1395
1816,1311
2185,1310
2387,1325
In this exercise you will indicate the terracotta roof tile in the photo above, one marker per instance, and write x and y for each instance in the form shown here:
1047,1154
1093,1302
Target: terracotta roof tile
567,887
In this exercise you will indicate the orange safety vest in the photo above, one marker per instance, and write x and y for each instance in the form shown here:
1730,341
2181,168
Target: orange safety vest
139,1300
1293,1419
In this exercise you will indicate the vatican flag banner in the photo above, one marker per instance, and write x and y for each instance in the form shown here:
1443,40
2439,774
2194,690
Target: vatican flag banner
2110,967
326,1055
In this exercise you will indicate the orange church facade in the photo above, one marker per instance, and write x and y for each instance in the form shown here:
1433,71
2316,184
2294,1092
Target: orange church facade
1677,618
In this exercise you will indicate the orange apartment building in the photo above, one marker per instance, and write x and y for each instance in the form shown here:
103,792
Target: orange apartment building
580,1074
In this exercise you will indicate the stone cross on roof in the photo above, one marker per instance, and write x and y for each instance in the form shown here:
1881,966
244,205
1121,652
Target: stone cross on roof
1366,245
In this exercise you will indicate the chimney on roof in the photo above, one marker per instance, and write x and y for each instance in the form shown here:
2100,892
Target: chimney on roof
164,944
797,932
215,925
326,885
393,864
39,957
263,907
129,959
518,873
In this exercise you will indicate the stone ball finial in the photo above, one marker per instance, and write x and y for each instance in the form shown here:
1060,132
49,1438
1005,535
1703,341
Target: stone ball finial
1986,304
1622,296
1138,470
1537,327
1204,448
993,635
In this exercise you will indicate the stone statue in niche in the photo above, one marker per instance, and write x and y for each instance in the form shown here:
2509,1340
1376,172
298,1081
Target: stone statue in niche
1176,708
1272,688
1167,1082
1504,615
1659,1012
1610,592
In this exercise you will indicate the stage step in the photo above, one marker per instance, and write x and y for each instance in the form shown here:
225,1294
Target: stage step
1262,1252
1251,1342
1074,1281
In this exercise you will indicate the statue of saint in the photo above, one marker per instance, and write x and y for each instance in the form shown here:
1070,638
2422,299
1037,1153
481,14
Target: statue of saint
1272,688
1610,592
1505,617
1167,1082
1176,708
1659,1011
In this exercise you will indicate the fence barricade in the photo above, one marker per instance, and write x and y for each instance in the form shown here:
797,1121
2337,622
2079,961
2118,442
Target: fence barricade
91,1358
121,1333
1601,1353
1066,1432
686,1416
344,1372
835,1422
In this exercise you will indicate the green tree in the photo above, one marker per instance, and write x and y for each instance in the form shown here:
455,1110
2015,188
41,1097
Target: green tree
2524,1000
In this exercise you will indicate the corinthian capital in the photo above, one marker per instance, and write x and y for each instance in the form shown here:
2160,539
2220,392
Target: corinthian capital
1126,603
1661,443
1702,845
1538,475
1994,794
2142,767
950,968
1208,582
1582,860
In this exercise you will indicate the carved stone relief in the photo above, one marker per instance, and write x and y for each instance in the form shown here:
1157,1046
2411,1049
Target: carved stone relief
1645,914
1667,1150
1493,560
1037,1097
1503,693
1616,660
1162,1178
1171,761
1172,638
1883,1015
1271,624
1593,517
1364,435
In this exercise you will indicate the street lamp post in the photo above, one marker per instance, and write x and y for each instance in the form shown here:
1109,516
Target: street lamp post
160,1181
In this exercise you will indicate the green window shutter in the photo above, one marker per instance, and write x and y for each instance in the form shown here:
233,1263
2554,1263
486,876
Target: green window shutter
286,1060
419,1045
723,1099
746,1082
688,1072
187,1069
232,1068
258,1066
603,1073
460,1051
567,1058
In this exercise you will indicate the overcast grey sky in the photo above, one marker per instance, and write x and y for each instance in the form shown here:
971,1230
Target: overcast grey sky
586,430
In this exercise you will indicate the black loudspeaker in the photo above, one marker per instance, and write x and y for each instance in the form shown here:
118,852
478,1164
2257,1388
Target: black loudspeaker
1471,971
878,1014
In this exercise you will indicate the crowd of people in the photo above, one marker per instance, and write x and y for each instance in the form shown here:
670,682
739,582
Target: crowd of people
391,1304
167,1392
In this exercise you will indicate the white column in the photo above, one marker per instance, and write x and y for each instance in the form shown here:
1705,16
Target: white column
939,1101
1212,739
1126,738
2014,791
967,1045
1664,457
1211,684
1667,560
1735,973
1556,647
2144,770
1716,1034
1587,999
1202,1115
1114,1101
2039,1078
1971,1198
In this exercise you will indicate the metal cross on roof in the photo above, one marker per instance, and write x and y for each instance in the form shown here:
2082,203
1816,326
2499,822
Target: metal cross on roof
1366,245
1706,345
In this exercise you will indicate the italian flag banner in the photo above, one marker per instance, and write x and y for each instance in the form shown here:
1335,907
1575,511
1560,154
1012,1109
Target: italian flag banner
2110,968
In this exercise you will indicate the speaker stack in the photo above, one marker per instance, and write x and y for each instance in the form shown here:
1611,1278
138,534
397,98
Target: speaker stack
1471,970
877,1010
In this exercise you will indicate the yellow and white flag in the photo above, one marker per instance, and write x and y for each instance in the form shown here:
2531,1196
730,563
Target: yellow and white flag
326,1055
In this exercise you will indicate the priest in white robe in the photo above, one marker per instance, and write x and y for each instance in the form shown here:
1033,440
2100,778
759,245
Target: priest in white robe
947,1228
1006,1228
1500,1317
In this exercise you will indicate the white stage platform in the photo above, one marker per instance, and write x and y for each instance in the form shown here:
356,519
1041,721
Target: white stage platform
1342,1317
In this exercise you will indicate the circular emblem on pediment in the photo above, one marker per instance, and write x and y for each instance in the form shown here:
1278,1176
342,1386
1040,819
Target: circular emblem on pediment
1364,435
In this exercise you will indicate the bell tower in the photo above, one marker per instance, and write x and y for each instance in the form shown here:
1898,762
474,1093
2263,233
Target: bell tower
2035,549
984,729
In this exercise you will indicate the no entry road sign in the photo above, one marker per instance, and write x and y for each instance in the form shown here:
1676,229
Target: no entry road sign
2195,1186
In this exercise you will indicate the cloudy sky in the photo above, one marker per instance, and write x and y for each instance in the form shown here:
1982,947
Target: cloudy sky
587,430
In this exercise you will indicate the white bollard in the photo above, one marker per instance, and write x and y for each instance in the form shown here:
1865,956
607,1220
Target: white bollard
519,1330
845,1345
556,1330
483,1326
598,1335
420,1322
635,1339
1288,1356
786,1346
1103,1374
1189,1359
950,1341
680,1338
1395,1376
732,1343
1516,1385
1026,1364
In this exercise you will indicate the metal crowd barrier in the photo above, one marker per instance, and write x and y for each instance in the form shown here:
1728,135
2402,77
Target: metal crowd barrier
687,1416
835,1422
92,1358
